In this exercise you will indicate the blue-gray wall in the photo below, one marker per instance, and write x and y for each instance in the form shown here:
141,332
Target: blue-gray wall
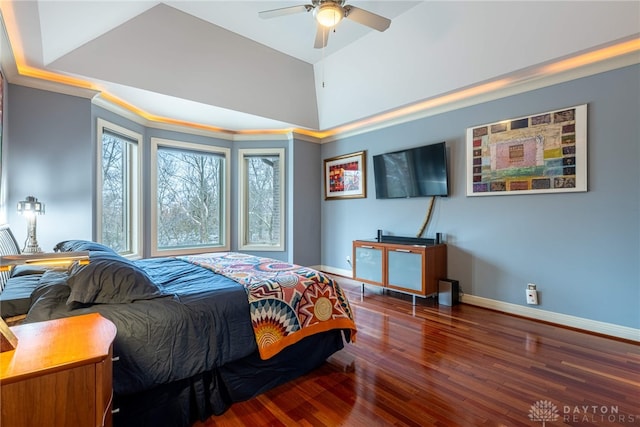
581,249
49,148
306,170
50,144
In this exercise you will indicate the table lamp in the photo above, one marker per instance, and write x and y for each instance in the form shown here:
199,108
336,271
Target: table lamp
30,208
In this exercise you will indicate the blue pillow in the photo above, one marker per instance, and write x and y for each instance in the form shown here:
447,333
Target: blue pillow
109,279
81,245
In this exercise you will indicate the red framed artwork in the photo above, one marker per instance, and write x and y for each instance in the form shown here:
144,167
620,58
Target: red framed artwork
345,176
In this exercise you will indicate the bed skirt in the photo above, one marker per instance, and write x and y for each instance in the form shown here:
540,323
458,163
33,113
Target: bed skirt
181,403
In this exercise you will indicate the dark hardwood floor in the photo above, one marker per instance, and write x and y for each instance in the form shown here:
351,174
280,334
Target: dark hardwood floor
433,365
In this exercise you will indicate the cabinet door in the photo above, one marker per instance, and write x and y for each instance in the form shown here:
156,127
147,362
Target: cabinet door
60,399
368,263
405,270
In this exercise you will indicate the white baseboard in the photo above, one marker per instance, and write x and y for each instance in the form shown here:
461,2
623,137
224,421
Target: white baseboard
553,317
333,270
560,319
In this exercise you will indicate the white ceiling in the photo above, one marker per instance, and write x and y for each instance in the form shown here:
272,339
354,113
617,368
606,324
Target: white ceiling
216,63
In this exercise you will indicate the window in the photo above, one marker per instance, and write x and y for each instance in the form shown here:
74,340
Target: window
190,187
118,195
261,199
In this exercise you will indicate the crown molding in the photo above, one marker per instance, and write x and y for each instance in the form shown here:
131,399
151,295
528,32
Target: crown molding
540,76
618,54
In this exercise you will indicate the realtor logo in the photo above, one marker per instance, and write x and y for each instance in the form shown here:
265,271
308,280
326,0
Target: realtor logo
544,411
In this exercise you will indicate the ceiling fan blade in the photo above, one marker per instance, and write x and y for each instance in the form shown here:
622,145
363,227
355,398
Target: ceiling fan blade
367,18
322,36
274,13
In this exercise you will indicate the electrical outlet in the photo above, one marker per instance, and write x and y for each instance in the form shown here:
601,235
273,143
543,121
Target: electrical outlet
532,296
348,260
531,286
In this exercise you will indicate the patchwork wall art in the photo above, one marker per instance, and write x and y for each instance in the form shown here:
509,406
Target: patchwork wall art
540,153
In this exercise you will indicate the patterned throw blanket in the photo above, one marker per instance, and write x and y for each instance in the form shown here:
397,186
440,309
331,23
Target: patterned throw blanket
287,302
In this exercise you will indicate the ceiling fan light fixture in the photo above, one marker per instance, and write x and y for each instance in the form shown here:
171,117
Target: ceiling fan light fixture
329,14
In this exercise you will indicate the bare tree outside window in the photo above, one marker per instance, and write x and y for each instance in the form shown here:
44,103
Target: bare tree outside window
190,194
117,164
263,200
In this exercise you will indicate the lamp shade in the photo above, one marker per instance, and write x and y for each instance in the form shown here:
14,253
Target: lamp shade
329,14
31,206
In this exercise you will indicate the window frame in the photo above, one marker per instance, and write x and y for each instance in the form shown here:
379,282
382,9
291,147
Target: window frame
157,142
135,207
243,191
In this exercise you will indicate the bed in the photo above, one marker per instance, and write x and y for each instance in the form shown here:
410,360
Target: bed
197,333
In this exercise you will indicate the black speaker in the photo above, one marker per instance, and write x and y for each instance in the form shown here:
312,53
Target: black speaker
448,292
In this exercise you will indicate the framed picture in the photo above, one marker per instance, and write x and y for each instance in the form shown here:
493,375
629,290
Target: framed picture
345,176
540,153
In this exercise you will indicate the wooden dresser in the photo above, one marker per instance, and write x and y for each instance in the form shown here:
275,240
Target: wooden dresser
59,375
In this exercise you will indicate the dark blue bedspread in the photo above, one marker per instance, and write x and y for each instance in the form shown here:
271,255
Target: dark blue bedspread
200,321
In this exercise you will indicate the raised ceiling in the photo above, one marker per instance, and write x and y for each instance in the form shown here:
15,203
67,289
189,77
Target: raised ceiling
217,65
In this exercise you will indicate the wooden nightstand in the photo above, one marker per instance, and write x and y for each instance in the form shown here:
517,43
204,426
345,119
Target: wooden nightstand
60,374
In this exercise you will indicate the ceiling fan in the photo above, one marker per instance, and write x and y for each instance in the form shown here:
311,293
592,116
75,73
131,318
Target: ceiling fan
328,14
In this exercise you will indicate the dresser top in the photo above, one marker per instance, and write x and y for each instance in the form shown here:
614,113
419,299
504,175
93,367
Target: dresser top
55,345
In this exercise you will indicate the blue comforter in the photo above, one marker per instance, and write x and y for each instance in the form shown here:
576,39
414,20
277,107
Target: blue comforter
188,320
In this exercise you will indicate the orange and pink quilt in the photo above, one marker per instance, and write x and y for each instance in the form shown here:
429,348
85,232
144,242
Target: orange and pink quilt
287,301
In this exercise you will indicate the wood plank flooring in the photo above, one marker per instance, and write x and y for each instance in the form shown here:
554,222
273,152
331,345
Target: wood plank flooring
430,365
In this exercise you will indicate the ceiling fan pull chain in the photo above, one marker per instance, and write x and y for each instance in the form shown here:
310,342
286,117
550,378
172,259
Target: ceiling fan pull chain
323,47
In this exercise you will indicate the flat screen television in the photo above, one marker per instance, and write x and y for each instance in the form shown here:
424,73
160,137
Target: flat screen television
414,172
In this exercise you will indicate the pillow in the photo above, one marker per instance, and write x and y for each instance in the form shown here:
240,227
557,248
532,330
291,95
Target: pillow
27,270
81,245
108,279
